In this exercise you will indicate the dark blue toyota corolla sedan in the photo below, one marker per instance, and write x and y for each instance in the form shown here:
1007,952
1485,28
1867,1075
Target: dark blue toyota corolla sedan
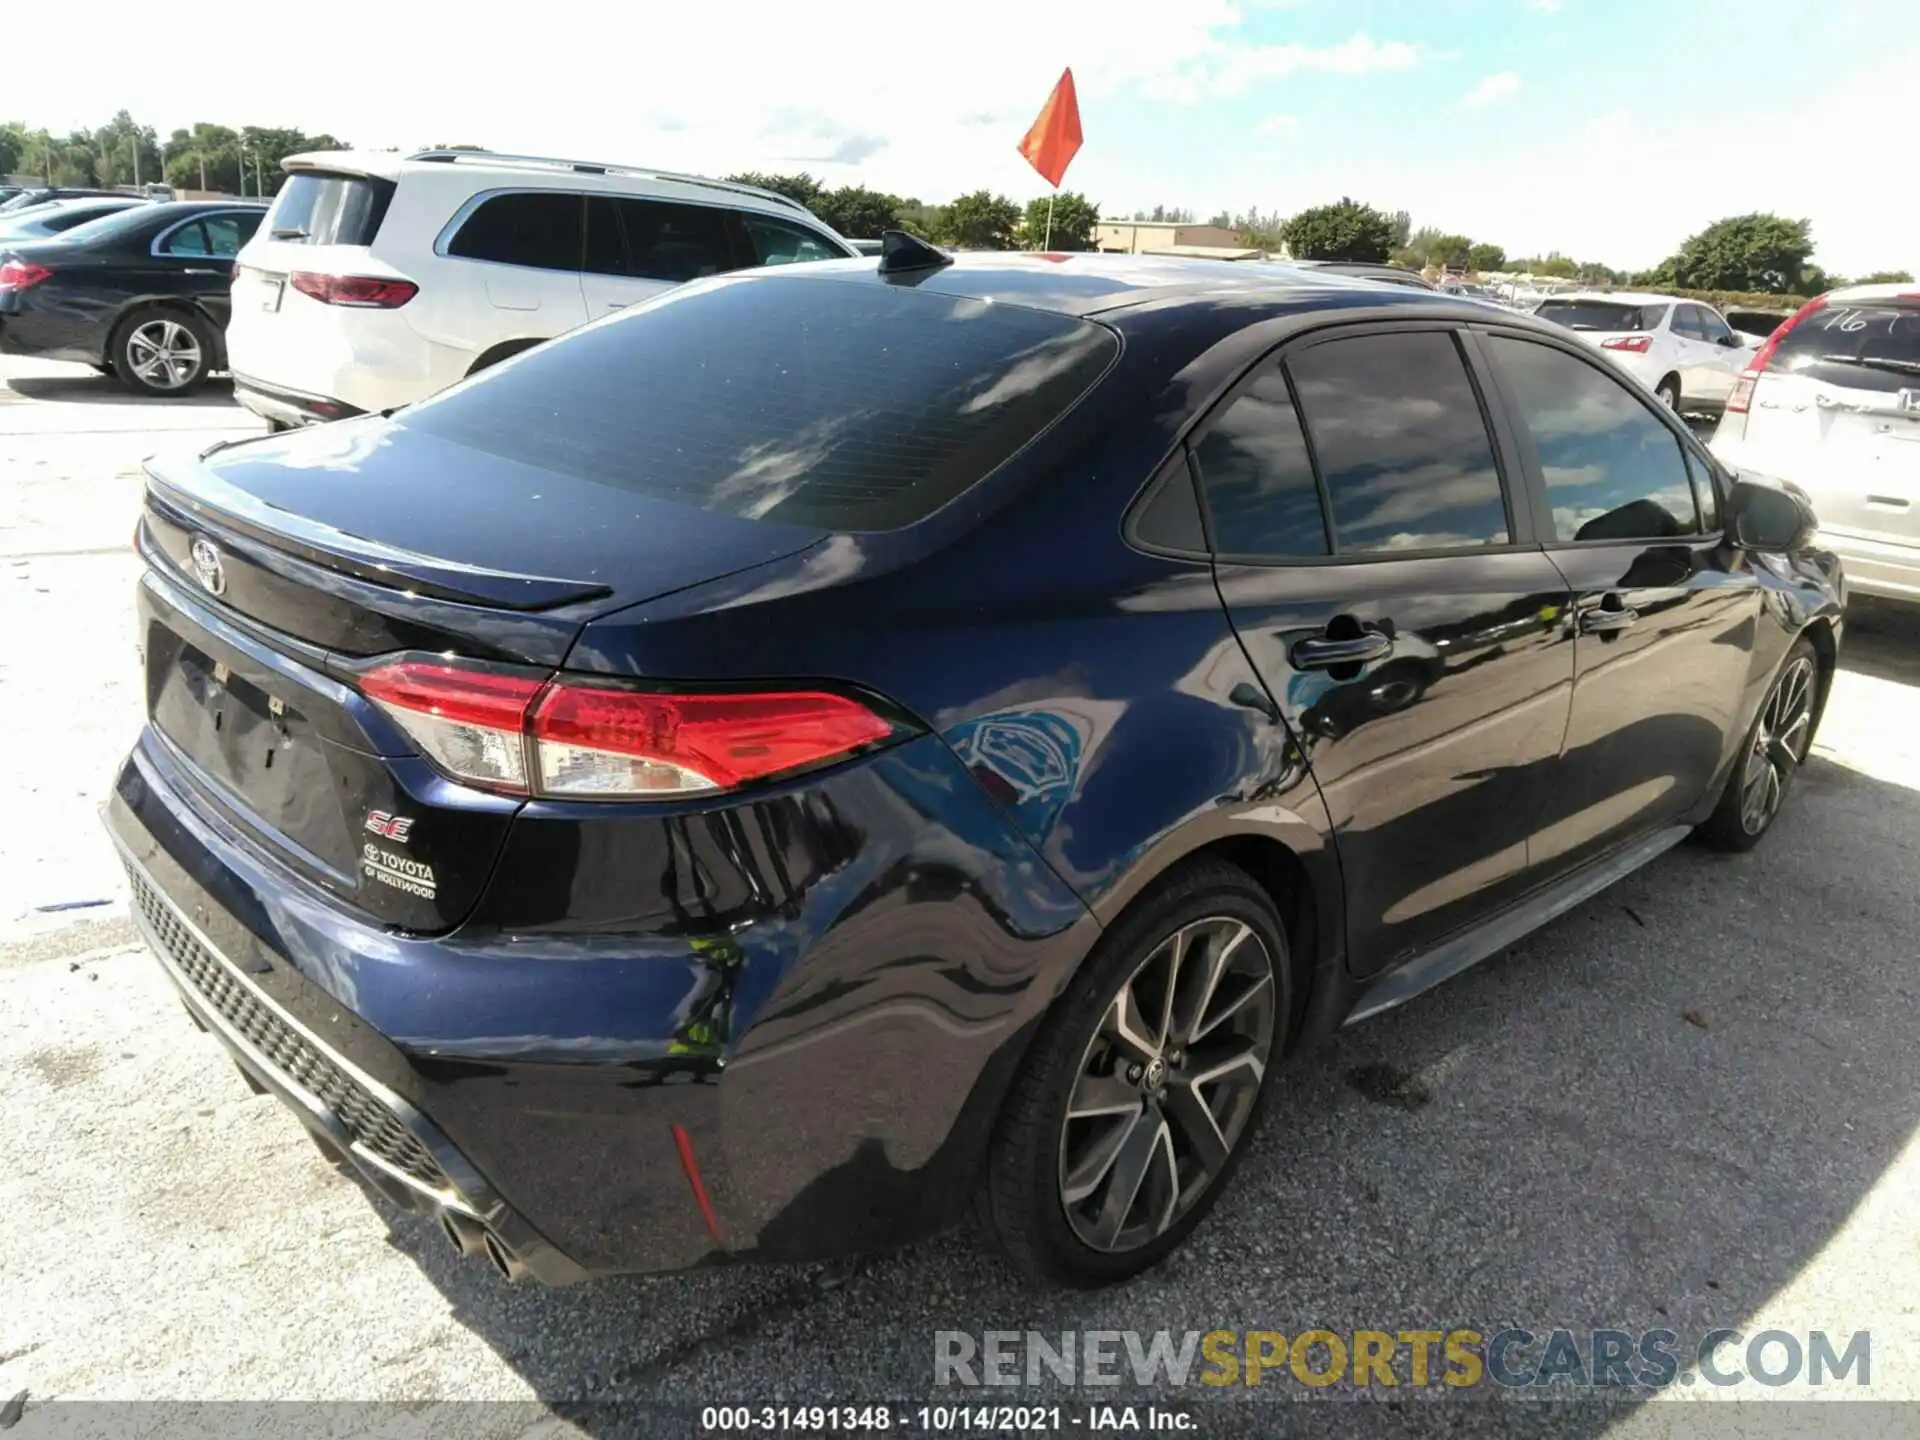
835,748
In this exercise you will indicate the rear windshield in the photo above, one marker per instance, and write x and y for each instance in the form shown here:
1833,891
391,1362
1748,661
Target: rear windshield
1608,315
315,207
1868,346
833,405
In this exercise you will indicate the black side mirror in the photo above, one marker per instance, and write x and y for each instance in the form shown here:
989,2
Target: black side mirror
1764,517
1732,342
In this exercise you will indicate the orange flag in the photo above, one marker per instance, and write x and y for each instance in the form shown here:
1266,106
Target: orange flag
1055,137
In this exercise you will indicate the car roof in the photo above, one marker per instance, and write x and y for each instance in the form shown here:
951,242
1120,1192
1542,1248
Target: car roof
1625,297
557,171
1090,283
1902,290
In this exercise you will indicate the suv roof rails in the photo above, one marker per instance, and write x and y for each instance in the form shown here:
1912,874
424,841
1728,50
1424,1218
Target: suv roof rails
592,167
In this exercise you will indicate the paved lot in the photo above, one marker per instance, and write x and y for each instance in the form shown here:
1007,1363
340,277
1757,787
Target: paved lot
1692,1101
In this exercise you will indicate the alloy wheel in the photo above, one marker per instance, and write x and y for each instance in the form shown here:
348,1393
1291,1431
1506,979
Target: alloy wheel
164,354
1779,746
1167,1084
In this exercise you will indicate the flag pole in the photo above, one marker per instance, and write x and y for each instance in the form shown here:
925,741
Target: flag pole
1047,244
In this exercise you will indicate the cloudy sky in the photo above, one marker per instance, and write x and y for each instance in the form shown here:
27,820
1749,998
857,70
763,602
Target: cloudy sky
1609,129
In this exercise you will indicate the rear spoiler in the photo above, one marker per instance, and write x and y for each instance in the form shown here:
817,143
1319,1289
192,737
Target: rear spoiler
199,499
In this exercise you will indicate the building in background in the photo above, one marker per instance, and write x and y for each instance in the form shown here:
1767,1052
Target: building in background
1166,237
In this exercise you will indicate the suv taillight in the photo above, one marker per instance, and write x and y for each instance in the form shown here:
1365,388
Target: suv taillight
22,275
364,292
1741,400
568,739
1638,344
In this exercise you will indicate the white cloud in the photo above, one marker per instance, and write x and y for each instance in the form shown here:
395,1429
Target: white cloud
1491,90
1278,127
1227,69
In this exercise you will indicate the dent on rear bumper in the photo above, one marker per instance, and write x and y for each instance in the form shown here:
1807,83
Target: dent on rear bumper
835,1052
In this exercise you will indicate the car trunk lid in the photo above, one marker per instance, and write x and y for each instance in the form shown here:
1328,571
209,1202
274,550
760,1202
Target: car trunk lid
277,567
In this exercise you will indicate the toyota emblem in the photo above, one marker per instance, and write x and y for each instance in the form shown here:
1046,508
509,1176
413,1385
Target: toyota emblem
206,565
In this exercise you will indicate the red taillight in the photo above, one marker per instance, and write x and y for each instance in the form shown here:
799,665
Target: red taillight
1742,398
522,734
364,292
591,741
22,275
1638,344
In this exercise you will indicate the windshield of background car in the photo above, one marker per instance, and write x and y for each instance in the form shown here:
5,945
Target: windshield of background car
1869,345
1605,315
840,406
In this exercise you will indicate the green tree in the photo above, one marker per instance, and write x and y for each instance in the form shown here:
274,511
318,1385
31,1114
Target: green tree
1402,224
1759,253
1553,265
126,153
1484,256
856,211
802,187
982,221
1347,230
1074,220
1886,277
1258,231
14,142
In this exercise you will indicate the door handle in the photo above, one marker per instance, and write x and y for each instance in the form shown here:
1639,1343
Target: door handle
190,270
1323,652
1601,621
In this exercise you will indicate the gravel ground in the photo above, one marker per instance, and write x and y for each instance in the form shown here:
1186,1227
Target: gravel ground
1691,1102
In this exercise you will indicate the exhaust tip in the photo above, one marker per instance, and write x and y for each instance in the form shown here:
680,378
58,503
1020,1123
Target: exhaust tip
466,1237
504,1260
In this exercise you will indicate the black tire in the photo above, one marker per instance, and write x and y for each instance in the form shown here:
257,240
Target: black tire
163,352
1669,392
1778,740
1023,1202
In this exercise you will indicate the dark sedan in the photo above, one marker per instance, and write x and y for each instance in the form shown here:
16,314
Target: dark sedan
142,294
839,747
42,221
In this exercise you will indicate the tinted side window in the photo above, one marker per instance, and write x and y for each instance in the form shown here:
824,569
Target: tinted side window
1713,327
188,239
777,243
1258,478
1170,520
1612,470
1402,446
675,242
540,229
227,233
606,251
1686,322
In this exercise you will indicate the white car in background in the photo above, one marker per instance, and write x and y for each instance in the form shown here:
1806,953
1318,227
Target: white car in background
379,279
1681,350
1831,403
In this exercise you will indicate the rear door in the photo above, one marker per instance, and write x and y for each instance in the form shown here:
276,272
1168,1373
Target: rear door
526,249
1379,572
199,254
639,248
1838,411
1664,612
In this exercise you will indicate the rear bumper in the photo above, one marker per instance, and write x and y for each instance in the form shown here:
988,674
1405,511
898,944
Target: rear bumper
1880,568
544,1087
51,336
289,407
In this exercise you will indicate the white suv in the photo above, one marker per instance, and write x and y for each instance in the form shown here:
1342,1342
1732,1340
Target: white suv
1681,350
1831,402
379,279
